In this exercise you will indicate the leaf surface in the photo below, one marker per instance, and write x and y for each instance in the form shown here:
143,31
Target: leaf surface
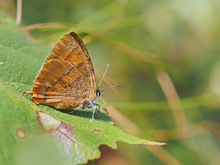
20,62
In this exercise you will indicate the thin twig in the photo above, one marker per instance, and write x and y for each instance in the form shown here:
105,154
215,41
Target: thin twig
47,25
19,12
173,99
163,155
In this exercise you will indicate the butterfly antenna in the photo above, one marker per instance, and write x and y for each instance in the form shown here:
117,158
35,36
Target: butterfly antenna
110,87
103,76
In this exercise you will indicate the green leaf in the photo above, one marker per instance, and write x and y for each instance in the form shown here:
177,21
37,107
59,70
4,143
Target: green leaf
20,62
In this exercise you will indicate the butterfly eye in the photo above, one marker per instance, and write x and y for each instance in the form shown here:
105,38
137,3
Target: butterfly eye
98,93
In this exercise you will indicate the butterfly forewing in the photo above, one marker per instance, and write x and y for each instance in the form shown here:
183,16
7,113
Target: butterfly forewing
67,78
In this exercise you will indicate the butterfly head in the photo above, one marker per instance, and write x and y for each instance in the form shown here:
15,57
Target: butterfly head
98,92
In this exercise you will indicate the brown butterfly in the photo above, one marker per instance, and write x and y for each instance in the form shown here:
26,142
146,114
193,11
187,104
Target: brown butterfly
67,78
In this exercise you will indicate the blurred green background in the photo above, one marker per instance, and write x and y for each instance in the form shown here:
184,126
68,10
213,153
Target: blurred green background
165,54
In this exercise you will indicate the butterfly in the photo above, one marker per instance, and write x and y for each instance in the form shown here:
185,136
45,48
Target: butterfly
67,78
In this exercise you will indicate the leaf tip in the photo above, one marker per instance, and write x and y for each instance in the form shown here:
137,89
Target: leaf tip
153,143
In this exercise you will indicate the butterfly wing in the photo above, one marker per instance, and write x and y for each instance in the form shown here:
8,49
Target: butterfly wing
67,78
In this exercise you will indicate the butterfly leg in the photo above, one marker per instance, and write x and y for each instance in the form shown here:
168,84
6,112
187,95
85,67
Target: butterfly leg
93,113
98,110
79,107
96,107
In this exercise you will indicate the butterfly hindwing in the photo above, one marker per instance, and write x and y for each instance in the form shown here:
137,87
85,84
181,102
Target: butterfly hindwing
67,78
